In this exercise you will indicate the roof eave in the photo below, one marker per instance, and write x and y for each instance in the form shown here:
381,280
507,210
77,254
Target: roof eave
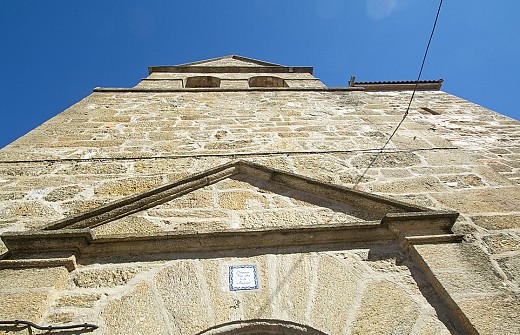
425,85
230,69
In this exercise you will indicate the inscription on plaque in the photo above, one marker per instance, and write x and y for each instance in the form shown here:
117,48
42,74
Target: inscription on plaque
243,277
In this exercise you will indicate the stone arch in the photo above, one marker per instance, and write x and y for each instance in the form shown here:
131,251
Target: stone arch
261,327
202,81
267,81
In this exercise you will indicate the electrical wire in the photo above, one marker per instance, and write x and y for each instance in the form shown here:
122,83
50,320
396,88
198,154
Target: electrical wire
409,104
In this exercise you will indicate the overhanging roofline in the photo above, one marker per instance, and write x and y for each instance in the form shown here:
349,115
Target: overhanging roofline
230,69
422,85
259,67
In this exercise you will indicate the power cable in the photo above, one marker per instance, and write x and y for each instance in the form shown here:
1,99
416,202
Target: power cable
409,104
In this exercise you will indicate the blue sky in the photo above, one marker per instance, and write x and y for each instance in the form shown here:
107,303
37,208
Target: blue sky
55,52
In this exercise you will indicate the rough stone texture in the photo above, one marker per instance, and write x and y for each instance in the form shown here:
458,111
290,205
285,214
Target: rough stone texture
184,297
135,313
80,300
114,144
494,315
385,309
103,277
238,202
33,278
23,305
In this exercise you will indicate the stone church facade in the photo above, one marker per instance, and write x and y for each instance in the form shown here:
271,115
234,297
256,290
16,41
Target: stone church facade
232,196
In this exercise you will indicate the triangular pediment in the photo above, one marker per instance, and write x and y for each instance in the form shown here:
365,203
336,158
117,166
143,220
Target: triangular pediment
230,64
239,195
231,60
239,205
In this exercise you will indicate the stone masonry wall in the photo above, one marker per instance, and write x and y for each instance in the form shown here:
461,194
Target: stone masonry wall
115,144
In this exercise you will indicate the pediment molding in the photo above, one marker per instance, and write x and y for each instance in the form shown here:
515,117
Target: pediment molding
401,222
368,202
231,64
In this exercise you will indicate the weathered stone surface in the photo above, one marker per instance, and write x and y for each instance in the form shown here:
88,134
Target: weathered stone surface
498,221
511,266
503,200
385,309
128,225
196,199
29,305
388,160
183,296
494,314
135,313
241,200
27,209
128,186
62,193
103,277
415,185
33,278
501,243
79,300
330,314
116,144
432,326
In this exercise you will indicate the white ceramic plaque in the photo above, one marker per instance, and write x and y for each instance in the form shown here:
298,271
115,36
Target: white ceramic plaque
243,277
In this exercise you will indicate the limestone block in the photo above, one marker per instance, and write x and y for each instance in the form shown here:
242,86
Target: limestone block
60,318
239,200
74,207
497,314
256,304
184,297
451,256
462,269
27,209
23,169
291,290
92,168
335,294
62,193
501,243
466,283
462,181
279,218
22,305
385,309
498,221
224,305
433,326
7,196
511,266
33,278
78,300
111,119
197,199
447,158
104,277
128,186
410,185
135,313
498,200
132,224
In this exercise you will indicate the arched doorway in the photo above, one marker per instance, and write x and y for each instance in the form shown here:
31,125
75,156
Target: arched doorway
261,327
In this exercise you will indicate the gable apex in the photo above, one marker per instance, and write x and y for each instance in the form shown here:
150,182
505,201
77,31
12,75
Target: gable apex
230,64
231,60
